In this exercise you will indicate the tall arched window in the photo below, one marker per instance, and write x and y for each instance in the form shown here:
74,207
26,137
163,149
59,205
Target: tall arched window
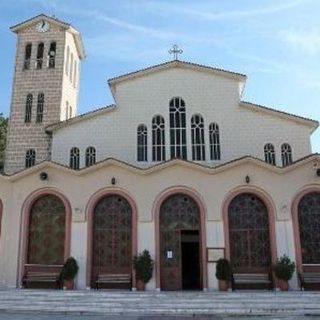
214,139
39,62
30,158
158,139
52,55
75,158
197,138
142,143
67,60
286,154
75,73
71,67
178,139
40,104
28,112
269,154
90,156
27,56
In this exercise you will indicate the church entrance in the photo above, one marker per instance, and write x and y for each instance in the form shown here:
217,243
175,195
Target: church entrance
180,245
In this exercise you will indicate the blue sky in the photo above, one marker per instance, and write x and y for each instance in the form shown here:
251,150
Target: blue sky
276,43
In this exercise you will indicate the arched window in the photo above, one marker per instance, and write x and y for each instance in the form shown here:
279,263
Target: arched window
269,154
40,51
178,139
30,158
27,56
90,156
67,60
142,143
52,55
214,137
197,138
67,110
40,108
75,158
286,154
158,139
71,67
28,113
75,74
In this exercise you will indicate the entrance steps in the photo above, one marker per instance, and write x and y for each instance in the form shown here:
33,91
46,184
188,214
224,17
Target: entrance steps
160,303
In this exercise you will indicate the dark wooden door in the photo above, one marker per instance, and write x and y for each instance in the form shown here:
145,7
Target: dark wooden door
178,212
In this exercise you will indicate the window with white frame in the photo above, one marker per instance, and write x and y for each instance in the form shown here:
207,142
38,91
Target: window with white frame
214,140
74,158
197,138
178,137
142,143
269,154
30,158
158,139
286,154
90,156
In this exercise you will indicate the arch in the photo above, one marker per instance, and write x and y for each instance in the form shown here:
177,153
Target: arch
142,143
286,154
25,220
267,200
92,203
309,189
156,214
269,154
178,135
197,138
158,139
214,139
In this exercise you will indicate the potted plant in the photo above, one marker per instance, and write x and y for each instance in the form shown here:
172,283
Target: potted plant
143,266
283,270
223,274
69,272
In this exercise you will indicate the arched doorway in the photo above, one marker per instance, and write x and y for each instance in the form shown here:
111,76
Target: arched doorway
112,232
309,229
249,234
180,243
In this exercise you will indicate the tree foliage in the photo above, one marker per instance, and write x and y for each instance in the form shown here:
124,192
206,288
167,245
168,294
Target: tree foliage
3,135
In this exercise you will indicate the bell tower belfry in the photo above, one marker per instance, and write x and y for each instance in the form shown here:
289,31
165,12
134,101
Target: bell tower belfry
45,87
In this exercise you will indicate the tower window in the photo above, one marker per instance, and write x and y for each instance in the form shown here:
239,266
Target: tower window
67,60
67,110
269,154
71,67
75,158
197,137
214,139
158,139
90,156
30,158
40,105
52,55
28,113
27,56
178,139
142,143
39,62
70,112
286,154
75,74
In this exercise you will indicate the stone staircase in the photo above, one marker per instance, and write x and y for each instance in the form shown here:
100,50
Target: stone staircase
93,302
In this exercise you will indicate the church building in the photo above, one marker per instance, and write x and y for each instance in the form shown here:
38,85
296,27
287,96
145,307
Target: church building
179,165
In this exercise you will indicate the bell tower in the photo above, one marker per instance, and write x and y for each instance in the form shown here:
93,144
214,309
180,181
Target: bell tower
45,87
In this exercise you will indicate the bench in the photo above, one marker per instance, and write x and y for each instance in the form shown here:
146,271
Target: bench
249,279
114,279
310,276
42,277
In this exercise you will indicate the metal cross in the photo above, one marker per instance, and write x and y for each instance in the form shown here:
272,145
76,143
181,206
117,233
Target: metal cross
175,51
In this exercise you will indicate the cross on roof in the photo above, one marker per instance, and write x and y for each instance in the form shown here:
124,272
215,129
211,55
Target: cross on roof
175,51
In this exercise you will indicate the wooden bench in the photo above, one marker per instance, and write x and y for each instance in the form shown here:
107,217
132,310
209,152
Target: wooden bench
247,279
310,276
113,279
44,275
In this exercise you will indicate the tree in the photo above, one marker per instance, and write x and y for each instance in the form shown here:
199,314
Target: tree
3,135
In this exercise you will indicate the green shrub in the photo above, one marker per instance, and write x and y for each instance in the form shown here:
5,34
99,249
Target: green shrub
284,268
223,270
143,265
69,269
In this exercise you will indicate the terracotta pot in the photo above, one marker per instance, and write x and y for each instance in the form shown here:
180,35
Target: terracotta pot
140,285
283,285
223,285
68,284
